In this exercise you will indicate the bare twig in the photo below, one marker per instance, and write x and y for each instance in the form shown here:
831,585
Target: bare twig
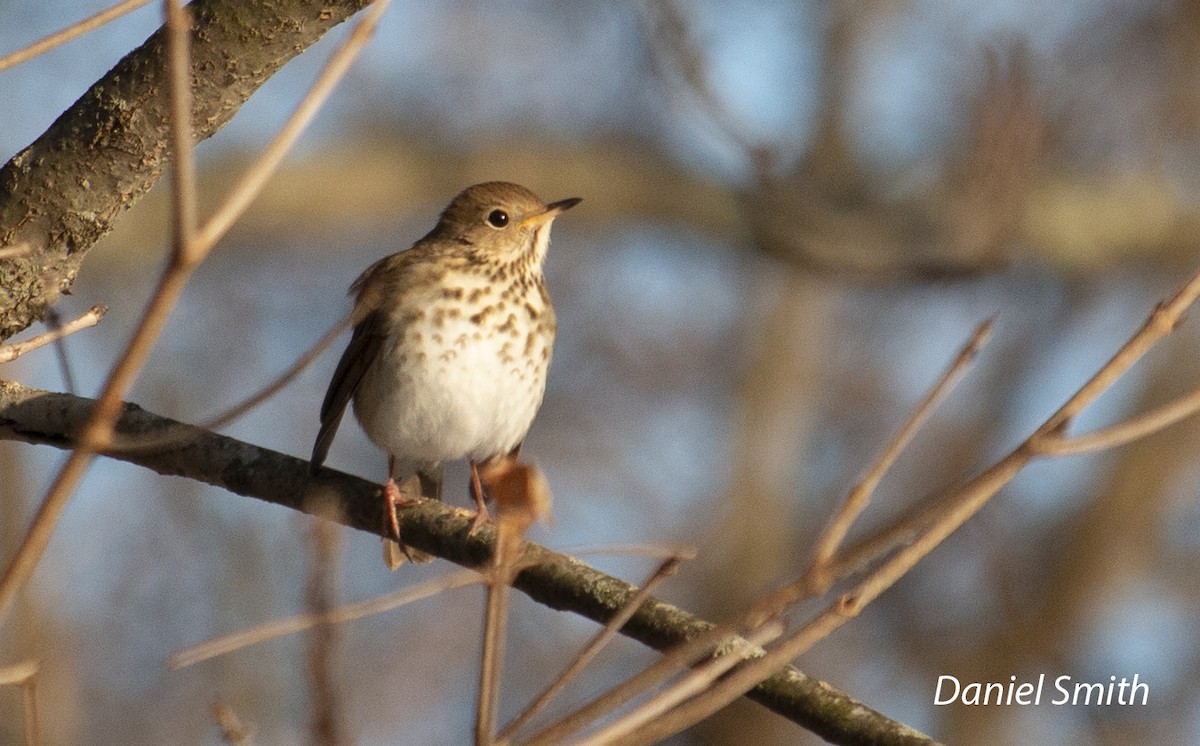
1135,428
522,497
668,665
272,388
11,352
232,730
656,551
235,411
858,498
33,726
58,38
301,622
973,497
256,176
24,675
1050,440
1162,321
668,568
319,593
495,621
658,709
54,321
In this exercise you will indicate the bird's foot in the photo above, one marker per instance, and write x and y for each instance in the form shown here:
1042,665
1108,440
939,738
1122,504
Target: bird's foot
393,500
395,551
481,511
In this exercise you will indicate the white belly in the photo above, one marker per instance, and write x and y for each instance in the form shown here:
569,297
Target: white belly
458,390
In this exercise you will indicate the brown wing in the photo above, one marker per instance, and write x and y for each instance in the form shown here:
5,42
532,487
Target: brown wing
360,353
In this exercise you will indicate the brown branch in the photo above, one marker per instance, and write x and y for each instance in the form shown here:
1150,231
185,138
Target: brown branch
553,579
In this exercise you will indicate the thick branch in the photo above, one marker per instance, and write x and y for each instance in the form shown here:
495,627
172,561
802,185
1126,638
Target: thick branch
64,191
556,580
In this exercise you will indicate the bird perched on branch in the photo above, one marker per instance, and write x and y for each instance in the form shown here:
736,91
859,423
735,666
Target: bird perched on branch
451,346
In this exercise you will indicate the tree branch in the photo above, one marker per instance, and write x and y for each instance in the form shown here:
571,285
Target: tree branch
63,192
556,580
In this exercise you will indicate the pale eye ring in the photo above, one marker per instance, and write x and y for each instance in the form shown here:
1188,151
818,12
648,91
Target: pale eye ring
497,218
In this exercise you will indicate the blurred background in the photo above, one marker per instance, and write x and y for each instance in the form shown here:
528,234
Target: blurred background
794,213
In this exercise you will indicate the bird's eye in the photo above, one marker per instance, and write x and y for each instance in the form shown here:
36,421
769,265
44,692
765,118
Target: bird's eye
497,218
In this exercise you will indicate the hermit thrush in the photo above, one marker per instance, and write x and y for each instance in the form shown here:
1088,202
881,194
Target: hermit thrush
451,346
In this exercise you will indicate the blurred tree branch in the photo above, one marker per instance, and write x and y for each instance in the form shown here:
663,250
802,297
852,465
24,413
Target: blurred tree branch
63,192
556,580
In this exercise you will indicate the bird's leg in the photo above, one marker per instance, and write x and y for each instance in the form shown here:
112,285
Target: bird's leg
481,512
393,499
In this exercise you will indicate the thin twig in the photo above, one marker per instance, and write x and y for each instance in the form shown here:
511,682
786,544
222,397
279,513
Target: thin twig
11,352
672,661
24,675
975,496
319,594
58,38
266,392
252,182
1135,428
301,622
33,725
232,730
668,568
656,551
499,584
695,682
54,321
1162,321
860,495
495,621
236,411
1049,439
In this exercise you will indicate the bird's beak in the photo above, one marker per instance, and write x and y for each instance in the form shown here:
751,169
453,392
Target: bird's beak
550,213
